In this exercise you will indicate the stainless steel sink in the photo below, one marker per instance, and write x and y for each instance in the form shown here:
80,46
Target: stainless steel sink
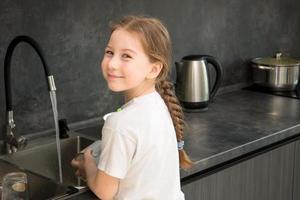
43,159
39,187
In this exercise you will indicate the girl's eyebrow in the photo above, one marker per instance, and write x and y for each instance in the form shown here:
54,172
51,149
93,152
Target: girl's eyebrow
129,50
110,47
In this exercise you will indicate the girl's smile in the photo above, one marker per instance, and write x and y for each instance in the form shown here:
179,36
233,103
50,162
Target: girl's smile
112,77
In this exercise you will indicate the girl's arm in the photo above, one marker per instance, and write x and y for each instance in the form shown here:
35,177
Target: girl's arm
102,185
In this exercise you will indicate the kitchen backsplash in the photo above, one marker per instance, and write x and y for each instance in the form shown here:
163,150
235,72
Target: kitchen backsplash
73,34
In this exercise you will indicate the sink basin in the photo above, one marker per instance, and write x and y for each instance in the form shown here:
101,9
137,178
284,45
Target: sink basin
39,187
43,159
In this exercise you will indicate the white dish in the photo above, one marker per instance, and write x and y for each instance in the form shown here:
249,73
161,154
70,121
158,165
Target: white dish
96,150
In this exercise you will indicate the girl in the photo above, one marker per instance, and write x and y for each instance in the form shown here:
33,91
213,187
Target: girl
141,142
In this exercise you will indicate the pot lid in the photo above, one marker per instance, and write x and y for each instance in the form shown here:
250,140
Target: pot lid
277,61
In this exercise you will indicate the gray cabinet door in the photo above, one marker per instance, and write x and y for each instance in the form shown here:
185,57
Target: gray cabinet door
297,172
268,176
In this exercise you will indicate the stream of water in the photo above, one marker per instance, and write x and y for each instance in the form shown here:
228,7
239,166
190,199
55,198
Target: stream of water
55,114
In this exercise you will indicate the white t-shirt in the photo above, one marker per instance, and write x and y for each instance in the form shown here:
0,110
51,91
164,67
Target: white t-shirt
139,147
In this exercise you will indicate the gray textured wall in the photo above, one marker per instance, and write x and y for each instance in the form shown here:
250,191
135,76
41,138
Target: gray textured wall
73,34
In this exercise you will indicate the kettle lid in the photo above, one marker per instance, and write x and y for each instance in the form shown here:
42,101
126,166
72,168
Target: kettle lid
195,57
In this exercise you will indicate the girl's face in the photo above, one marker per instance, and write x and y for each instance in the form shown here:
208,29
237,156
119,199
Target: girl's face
125,66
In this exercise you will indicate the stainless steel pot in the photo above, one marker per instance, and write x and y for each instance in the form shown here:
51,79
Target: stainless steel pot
276,74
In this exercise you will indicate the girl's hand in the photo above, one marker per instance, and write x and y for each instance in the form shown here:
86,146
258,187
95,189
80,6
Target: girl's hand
85,164
89,164
78,163
81,162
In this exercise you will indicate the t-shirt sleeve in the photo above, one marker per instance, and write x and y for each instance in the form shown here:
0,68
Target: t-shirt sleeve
117,151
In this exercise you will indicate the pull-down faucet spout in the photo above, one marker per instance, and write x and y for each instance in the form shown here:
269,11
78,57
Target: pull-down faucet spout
11,142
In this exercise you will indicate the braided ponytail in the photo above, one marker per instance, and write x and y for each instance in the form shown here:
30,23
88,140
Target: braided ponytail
165,89
156,42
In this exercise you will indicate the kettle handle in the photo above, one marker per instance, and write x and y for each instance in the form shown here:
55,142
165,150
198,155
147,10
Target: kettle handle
219,74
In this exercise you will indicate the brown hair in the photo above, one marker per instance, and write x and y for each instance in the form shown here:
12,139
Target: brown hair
156,42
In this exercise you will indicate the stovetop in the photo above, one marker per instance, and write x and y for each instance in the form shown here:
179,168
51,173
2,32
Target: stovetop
290,94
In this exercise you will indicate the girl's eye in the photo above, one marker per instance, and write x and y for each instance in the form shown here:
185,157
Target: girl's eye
108,52
126,56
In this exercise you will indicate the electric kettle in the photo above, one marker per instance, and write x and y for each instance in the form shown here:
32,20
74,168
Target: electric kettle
193,81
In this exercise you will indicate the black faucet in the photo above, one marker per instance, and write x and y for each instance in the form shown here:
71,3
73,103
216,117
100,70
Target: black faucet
11,142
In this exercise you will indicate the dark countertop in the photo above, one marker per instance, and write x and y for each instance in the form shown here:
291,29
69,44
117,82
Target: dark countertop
238,123
235,124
